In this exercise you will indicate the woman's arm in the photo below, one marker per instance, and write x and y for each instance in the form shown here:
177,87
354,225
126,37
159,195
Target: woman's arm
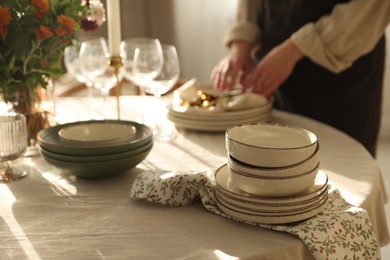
351,30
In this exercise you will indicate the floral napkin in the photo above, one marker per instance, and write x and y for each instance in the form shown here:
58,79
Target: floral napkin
341,231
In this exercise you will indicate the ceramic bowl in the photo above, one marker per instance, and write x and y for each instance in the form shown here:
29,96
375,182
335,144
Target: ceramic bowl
270,145
96,158
98,169
274,186
287,171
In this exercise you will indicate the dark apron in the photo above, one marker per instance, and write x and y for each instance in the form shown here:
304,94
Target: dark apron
351,101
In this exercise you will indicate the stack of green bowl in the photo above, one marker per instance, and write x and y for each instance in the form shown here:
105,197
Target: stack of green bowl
96,148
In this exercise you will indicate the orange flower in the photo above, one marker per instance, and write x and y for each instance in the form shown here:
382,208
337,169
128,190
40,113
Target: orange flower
5,18
68,22
44,32
59,31
41,5
39,15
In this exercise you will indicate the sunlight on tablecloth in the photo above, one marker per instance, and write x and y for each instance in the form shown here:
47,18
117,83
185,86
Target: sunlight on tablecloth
341,231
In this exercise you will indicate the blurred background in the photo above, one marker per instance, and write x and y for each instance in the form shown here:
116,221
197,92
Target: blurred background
197,28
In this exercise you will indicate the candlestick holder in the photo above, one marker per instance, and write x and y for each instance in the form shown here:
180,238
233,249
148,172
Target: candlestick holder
116,64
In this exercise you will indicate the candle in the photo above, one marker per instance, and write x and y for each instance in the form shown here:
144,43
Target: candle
114,26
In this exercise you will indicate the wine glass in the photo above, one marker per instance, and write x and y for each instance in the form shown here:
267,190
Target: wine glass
169,73
166,79
128,48
73,66
104,83
13,143
94,57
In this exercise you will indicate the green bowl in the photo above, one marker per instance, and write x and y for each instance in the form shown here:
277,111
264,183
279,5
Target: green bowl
49,140
93,170
96,158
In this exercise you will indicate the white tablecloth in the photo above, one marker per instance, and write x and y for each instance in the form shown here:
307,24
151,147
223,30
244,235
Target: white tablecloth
52,215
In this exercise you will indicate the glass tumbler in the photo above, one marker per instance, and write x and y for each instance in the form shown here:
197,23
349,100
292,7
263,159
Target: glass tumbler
13,143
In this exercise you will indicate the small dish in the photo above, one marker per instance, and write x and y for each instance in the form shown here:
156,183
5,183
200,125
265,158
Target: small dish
97,133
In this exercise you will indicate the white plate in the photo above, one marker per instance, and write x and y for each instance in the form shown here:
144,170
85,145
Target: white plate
97,133
276,211
215,126
218,117
262,219
224,185
195,113
217,122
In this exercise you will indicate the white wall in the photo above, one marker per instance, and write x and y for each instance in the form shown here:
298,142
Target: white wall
197,28
201,28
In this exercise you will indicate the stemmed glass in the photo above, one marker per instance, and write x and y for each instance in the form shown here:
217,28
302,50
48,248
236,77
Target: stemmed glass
94,57
104,83
73,63
13,143
128,49
169,73
166,79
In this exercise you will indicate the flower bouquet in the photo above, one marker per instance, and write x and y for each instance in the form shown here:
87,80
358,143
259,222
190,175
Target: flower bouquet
33,35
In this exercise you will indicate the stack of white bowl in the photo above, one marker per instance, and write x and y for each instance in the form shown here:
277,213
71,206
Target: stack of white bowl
273,174
96,148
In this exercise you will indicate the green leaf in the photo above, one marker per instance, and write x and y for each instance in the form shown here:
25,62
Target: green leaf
19,44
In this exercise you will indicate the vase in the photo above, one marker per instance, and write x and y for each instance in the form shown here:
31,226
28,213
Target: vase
39,108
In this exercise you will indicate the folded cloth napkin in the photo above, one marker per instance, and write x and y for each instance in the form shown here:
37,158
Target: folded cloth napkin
188,92
341,231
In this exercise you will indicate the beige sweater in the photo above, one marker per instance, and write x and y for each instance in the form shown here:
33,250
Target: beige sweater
334,41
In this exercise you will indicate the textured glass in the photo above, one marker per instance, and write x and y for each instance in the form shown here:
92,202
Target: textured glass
13,136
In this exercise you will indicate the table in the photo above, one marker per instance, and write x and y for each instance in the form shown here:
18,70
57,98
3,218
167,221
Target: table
51,215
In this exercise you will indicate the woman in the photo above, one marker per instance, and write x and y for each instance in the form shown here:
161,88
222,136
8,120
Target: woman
325,58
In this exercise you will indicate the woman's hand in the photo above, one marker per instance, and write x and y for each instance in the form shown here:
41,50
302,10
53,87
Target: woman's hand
234,68
274,68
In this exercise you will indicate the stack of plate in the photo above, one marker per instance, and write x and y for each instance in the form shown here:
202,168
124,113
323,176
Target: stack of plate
95,149
268,209
210,120
272,175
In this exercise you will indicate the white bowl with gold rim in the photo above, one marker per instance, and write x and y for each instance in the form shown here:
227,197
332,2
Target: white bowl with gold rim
274,186
286,171
270,145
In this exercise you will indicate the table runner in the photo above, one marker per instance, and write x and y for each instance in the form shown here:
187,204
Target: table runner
341,231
